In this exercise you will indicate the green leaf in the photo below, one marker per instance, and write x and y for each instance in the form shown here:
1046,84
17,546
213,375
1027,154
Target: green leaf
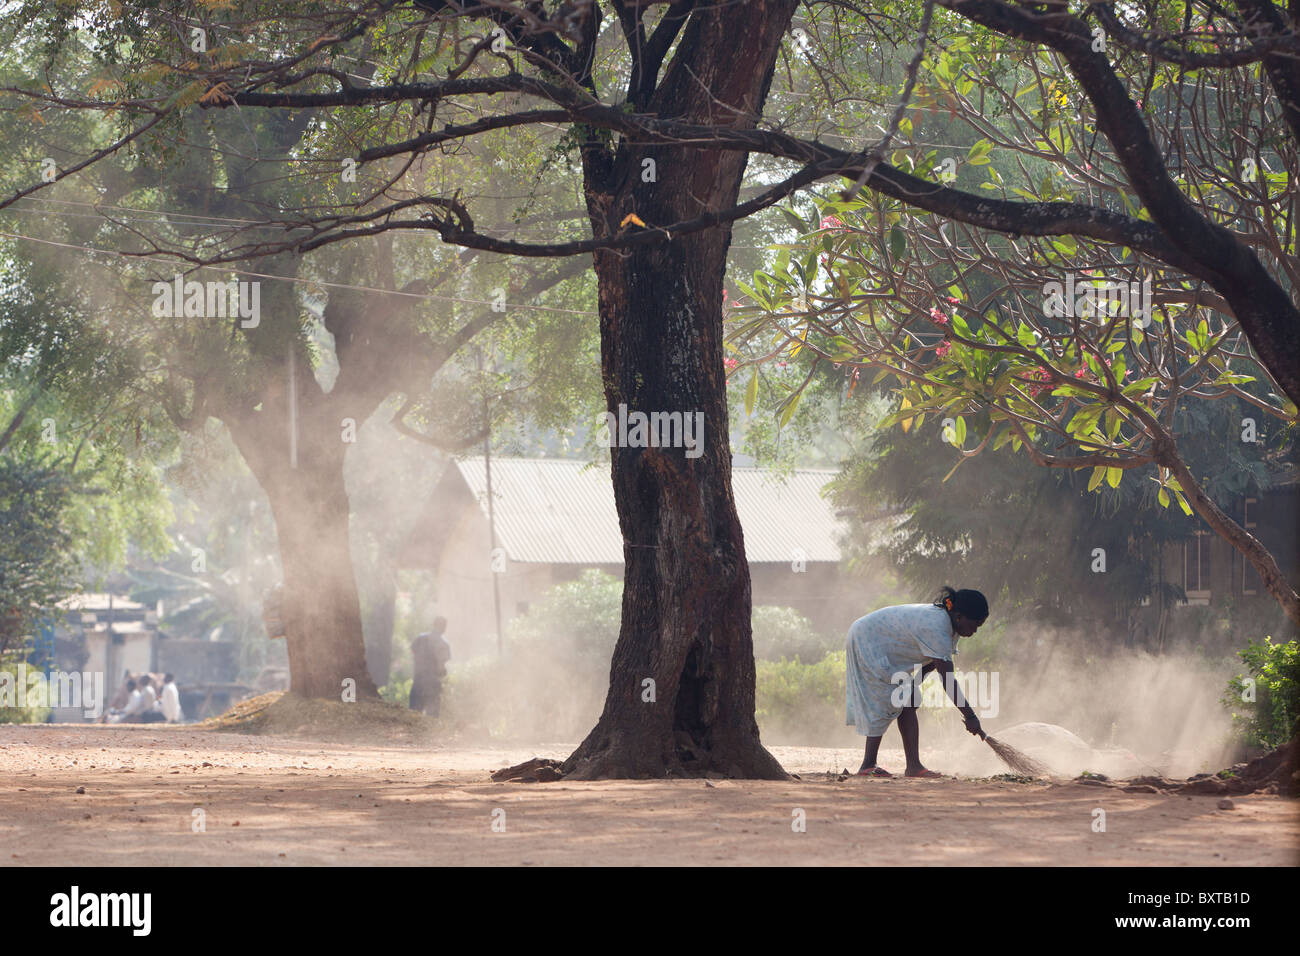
1065,245
794,220
1098,474
787,412
751,393
897,242
1113,422
1141,385
978,155
1163,497
1113,476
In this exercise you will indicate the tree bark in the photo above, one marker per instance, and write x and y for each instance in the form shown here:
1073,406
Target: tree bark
321,608
686,591
379,624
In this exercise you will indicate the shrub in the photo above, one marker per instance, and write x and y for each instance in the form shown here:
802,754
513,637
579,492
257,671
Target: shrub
397,691
33,691
784,633
799,702
550,685
1271,715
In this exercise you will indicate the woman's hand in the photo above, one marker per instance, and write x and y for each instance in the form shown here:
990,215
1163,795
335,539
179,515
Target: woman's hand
973,724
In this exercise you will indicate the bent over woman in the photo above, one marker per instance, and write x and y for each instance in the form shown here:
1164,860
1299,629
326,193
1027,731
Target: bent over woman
883,650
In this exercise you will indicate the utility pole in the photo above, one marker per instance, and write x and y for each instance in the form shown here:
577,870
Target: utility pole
491,510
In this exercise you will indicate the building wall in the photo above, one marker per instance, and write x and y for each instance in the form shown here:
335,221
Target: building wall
464,588
818,592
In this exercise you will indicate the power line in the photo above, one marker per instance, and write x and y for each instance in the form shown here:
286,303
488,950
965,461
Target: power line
299,279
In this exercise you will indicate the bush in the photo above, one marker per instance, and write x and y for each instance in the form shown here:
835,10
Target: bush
1272,714
783,633
551,683
397,691
799,702
10,713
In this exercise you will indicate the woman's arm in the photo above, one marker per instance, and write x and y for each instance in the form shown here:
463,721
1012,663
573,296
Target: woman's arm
953,689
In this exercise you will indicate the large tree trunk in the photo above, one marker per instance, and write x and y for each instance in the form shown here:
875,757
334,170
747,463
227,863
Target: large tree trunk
379,622
686,596
320,606
321,609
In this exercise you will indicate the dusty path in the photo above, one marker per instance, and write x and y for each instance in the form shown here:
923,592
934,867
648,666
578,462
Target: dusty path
287,801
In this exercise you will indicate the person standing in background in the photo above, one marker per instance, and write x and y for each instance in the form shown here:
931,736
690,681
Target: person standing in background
171,700
429,655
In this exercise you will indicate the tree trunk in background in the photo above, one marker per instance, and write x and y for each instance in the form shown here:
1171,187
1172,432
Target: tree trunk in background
379,619
320,608
686,592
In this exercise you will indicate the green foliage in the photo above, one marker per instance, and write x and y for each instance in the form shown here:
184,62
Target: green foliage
1033,520
38,567
1273,718
782,633
397,691
793,697
34,690
552,680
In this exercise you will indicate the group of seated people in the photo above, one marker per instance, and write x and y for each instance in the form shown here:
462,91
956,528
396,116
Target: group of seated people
139,701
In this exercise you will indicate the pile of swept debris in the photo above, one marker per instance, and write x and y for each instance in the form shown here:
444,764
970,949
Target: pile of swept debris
363,721
1275,772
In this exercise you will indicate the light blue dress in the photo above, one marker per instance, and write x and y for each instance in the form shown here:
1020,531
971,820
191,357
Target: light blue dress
883,649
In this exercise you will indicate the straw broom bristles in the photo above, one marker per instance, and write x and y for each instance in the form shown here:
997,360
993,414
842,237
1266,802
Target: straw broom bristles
1014,759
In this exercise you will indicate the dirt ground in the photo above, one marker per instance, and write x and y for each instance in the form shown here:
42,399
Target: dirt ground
279,801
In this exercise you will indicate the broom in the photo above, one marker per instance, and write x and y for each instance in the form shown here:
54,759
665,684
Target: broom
1013,758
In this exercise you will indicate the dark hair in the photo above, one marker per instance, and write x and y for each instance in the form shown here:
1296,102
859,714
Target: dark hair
969,602
169,678
130,685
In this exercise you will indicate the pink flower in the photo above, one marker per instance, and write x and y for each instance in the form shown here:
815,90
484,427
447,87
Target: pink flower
831,222
730,363
942,349
938,317
1043,378
782,364
724,295
953,300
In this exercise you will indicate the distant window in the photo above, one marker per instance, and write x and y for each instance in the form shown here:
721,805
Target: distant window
1250,581
1196,568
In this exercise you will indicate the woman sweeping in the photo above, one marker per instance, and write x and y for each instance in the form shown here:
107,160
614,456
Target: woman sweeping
885,647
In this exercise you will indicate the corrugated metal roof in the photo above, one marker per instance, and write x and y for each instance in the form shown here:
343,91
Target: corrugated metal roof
562,512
